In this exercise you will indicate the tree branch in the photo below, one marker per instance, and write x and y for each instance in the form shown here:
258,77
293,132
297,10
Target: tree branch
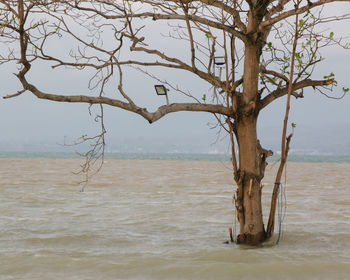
14,95
150,116
269,22
208,77
203,20
218,4
299,85
274,73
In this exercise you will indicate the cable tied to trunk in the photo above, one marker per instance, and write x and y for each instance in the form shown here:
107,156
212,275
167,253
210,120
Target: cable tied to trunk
279,209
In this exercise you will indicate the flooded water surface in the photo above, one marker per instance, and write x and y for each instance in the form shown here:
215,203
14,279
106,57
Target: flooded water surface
165,220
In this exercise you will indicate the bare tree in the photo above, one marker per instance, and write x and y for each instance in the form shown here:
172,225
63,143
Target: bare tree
270,49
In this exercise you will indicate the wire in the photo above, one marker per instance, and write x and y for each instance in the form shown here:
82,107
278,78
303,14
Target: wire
280,209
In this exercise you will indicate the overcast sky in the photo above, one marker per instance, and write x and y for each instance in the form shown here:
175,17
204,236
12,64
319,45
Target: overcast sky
26,118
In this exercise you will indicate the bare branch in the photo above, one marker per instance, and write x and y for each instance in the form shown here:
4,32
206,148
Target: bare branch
275,74
14,95
290,13
203,20
297,86
151,117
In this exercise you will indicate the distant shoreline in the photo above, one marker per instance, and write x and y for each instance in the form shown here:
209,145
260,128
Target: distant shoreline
174,157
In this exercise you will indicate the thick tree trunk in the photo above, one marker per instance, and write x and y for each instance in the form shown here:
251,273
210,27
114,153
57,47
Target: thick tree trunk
252,158
252,166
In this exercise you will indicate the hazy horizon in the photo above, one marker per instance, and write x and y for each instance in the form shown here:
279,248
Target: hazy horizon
308,140
322,123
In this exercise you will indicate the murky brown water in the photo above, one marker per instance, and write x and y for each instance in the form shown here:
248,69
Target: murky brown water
165,220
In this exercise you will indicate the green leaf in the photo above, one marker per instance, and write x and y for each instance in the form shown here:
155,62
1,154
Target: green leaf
204,97
293,125
208,35
329,76
175,8
345,90
269,45
331,34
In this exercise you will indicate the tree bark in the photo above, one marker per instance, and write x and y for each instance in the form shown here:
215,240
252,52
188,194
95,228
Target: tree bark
251,156
252,167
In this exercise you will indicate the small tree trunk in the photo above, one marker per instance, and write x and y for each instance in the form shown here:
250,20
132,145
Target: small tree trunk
285,139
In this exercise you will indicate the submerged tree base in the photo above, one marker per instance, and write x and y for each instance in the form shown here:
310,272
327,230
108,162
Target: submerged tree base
251,239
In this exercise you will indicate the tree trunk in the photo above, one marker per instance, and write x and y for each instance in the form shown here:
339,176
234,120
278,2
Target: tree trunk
252,165
252,158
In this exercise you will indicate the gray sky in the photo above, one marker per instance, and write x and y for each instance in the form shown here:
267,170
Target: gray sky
27,119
